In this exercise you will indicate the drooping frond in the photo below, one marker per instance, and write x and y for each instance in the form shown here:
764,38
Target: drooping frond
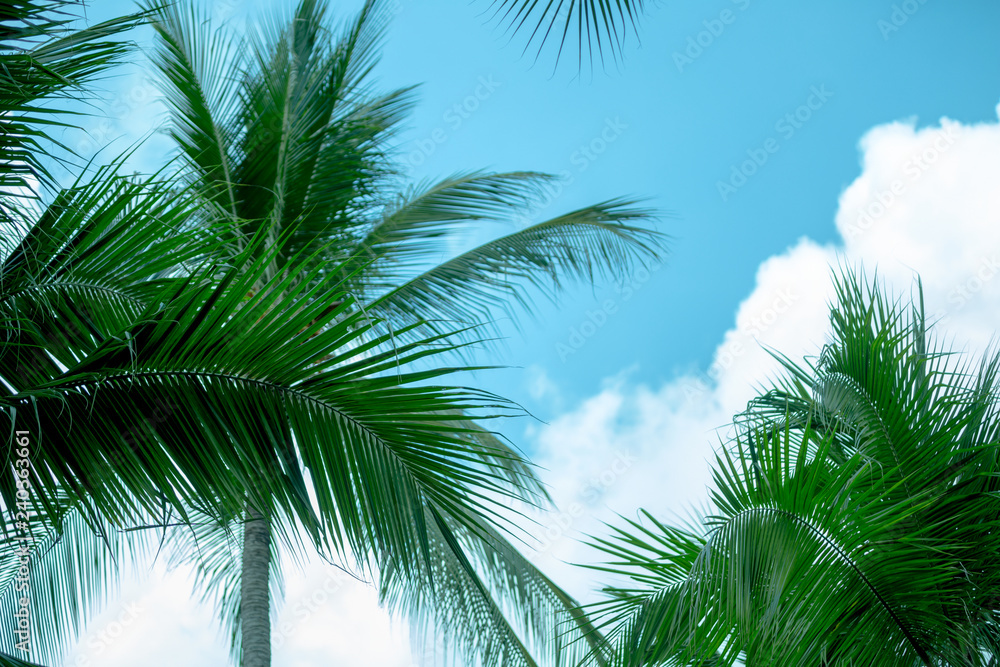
228,377
489,603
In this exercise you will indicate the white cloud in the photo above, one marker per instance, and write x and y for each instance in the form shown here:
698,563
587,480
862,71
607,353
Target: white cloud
330,618
152,620
942,224
327,617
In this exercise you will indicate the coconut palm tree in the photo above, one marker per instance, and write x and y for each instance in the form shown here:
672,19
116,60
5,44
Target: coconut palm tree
294,148
855,516
156,396
175,414
172,360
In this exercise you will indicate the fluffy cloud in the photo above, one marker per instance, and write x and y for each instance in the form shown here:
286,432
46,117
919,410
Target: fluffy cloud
327,617
134,625
927,202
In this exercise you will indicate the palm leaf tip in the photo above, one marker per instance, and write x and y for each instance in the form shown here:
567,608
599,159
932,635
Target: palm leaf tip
600,28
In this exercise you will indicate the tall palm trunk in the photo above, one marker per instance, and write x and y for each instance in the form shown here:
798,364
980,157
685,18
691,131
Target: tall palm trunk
255,594
255,605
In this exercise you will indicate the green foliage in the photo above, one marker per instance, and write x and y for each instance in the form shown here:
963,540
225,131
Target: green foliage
45,58
299,143
855,516
294,150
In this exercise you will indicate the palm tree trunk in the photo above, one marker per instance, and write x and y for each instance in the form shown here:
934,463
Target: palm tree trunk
255,605
255,600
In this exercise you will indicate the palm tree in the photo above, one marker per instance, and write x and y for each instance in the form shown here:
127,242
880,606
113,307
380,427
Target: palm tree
162,351
173,418
855,522
229,377
294,149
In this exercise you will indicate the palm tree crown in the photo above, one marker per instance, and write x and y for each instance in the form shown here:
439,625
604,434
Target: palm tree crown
855,516
252,344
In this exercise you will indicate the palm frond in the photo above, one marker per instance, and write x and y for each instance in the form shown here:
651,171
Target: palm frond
490,603
197,65
597,241
421,222
94,259
377,440
309,121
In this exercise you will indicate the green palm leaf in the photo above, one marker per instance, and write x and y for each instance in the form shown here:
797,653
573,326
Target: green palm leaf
598,27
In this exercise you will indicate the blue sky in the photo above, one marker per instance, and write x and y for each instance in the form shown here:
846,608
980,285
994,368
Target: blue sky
826,100
685,131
